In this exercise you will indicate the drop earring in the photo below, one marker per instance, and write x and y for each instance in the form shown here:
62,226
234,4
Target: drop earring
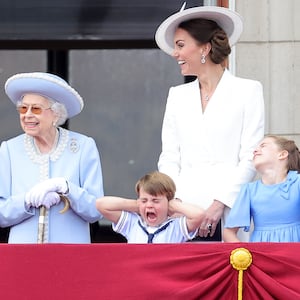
203,60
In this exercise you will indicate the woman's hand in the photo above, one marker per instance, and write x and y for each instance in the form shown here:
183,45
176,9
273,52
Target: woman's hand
212,217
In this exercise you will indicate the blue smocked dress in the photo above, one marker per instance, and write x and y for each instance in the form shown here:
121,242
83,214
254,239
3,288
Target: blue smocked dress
275,210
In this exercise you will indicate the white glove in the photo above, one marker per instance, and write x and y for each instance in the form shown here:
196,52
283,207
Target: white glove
36,195
51,198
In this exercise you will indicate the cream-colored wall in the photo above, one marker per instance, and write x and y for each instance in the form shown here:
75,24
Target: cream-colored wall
269,51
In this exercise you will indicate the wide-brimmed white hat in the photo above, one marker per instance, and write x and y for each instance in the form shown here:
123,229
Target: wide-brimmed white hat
47,85
228,20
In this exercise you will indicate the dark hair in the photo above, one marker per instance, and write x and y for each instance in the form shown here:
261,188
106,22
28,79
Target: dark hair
291,148
156,183
208,31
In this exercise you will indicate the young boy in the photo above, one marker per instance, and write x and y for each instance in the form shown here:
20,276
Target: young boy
155,217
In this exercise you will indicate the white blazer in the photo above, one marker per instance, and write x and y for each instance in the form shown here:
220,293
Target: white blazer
209,154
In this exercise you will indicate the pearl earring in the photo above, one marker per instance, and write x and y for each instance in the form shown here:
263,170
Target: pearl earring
203,60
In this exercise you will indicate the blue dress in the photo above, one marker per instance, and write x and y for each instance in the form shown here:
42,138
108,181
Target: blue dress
275,210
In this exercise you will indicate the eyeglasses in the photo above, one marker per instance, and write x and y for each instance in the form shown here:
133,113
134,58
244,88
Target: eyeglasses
35,109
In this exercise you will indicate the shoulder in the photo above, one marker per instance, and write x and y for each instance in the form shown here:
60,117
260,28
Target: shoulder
181,94
185,86
78,142
250,187
240,81
82,138
253,185
77,135
15,140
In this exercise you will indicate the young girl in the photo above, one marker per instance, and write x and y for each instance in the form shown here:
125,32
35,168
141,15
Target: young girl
147,219
273,201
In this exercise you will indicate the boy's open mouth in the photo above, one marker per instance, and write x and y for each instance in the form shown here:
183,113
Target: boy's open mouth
151,216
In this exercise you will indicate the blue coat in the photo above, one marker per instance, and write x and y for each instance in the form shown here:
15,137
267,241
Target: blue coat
76,158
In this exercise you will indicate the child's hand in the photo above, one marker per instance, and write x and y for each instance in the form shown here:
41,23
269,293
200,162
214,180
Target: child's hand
172,208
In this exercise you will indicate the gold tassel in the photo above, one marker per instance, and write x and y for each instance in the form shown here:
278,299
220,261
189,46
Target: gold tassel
240,260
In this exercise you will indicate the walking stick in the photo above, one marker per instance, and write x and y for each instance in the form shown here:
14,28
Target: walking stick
42,218
41,228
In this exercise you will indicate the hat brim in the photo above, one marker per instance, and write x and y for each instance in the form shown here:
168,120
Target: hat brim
228,20
47,85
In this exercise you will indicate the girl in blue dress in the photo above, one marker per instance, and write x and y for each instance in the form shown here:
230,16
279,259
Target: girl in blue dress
273,202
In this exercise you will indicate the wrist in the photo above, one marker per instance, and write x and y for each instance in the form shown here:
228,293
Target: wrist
62,186
219,204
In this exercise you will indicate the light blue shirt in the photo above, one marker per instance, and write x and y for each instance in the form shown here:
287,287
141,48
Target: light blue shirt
76,158
176,232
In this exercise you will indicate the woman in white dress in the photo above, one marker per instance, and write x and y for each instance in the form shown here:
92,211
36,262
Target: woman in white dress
211,125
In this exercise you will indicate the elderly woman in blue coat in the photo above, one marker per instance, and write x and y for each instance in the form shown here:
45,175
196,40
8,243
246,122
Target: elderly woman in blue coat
46,164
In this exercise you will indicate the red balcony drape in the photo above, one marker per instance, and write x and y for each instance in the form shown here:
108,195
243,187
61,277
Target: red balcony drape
158,271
